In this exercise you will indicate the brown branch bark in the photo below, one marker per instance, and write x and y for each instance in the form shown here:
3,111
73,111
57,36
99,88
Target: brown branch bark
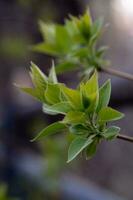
117,73
126,138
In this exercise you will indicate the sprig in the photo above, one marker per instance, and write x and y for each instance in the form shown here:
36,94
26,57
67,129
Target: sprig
85,110
74,43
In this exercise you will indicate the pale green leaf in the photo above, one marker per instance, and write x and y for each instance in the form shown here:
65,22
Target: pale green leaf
73,96
38,77
104,95
59,108
75,117
111,132
91,85
91,149
52,93
78,145
50,130
109,114
47,48
65,66
79,129
48,31
52,75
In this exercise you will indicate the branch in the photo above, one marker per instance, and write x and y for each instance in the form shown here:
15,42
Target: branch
117,73
126,138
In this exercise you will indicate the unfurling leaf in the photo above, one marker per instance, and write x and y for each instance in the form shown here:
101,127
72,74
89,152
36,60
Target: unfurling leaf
50,130
91,148
104,95
58,108
77,145
111,133
75,117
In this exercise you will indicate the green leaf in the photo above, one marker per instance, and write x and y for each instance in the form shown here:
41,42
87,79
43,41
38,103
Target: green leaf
50,130
63,40
65,66
104,95
48,31
96,29
75,117
77,145
52,93
52,75
91,85
39,79
111,132
79,129
30,91
91,149
90,91
73,96
59,108
47,48
109,114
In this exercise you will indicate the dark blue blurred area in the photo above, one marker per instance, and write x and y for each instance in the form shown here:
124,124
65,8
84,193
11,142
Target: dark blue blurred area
36,171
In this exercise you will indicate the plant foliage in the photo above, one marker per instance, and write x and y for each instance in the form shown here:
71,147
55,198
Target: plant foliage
85,109
74,43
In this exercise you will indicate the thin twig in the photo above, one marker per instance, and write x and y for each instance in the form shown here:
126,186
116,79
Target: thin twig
126,138
117,73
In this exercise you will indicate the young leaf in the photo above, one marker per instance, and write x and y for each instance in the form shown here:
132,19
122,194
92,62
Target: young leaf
47,48
95,31
52,75
75,117
73,96
33,92
79,130
91,149
111,132
52,93
48,31
66,66
91,85
104,95
77,145
109,114
59,108
90,93
39,79
50,130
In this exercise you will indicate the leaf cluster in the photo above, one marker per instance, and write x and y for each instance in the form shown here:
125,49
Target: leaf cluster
74,43
85,110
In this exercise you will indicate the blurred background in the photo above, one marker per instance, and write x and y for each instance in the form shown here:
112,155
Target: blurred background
38,171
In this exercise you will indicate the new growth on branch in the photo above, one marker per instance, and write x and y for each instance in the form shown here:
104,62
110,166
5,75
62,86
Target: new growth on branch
85,110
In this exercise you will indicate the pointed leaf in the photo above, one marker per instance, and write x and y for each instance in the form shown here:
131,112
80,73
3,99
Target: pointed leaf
59,108
77,146
91,85
38,77
52,75
75,117
47,48
111,132
90,91
50,130
52,93
109,114
65,66
73,96
79,129
91,149
104,95
48,31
